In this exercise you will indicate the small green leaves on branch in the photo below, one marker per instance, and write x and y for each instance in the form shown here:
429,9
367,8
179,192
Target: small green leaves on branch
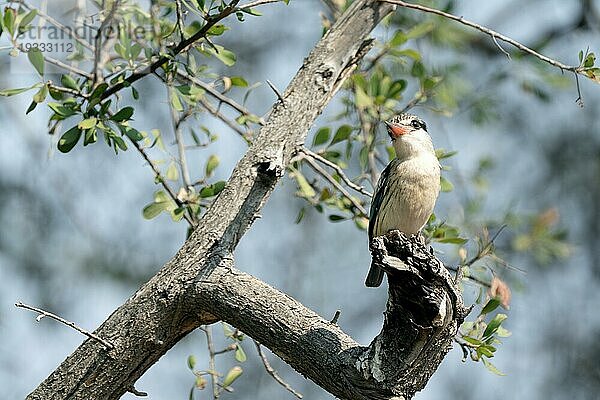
479,339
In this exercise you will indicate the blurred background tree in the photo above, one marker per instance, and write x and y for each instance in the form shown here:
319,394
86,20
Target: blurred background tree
527,157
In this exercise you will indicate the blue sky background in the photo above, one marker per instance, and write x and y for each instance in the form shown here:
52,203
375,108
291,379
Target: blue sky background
73,237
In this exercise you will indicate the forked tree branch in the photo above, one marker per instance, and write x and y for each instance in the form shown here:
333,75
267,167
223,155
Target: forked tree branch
415,337
168,306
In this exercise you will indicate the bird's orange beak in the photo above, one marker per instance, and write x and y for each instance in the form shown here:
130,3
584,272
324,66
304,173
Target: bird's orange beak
395,130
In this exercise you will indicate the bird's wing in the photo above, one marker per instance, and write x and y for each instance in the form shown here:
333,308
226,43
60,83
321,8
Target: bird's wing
378,196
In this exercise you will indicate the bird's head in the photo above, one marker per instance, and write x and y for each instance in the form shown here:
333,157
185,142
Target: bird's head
409,135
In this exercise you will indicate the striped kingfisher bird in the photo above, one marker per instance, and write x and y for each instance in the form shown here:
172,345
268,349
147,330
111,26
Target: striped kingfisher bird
407,188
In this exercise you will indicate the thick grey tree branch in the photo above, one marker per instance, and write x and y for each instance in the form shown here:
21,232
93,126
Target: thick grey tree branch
423,314
158,315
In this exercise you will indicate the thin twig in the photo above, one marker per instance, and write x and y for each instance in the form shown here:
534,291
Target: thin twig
495,35
216,94
179,18
63,89
336,316
43,313
68,67
501,48
485,249
317,168
136,392
231,347
183,165
232,124
277,92
100,47
257,3
471,278
271,371
211,361
158,176
61,27
372,167
337,169
413,102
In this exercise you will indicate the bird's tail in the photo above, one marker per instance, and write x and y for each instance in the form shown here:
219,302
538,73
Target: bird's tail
374,277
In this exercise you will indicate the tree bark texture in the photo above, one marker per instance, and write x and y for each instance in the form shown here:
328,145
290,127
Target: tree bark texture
422,317
157,316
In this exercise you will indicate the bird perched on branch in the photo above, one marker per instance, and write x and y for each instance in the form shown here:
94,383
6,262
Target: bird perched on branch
408,187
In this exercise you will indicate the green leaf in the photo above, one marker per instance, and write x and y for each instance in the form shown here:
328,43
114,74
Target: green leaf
494,324
252,11
212,190
361,223
225,56
232,375
41,95
306,190
322,136
453,240
124,114
97,93
485,351
152,210
240,355
27,18
473,341
492,368
227,330
336,218
363,100
88,123
132,133
31,107
420,30
490,306
177,214
9,20
503,332
68,82
63,110
442,154
12,92
91,136
172,172
341,134
37,59
162,202
410,53
238,81
69,139
446,185
398,39
120,143
211,164
217,30
589,60
300,215
175,102
191,362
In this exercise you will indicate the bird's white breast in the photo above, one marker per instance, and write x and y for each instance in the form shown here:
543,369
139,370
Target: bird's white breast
413,187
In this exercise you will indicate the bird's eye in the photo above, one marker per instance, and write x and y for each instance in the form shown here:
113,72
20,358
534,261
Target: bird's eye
416,124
